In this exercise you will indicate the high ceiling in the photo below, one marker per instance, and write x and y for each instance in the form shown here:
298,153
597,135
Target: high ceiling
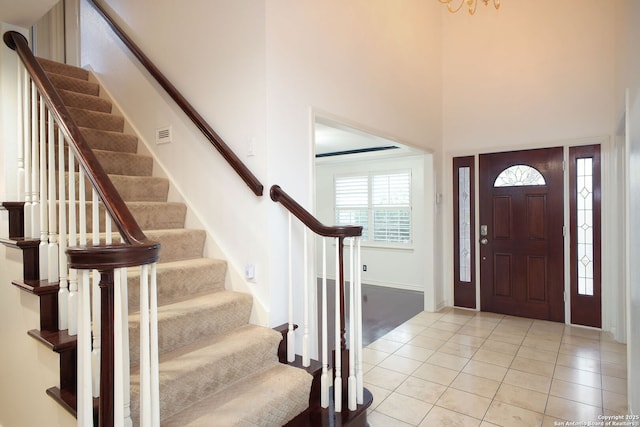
24,13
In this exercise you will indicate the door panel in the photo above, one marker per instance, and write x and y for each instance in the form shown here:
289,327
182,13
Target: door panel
522,262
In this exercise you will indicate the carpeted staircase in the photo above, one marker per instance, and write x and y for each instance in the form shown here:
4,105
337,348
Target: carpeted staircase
216,369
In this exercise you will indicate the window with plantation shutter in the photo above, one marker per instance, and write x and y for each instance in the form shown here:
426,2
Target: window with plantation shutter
352,202
379,202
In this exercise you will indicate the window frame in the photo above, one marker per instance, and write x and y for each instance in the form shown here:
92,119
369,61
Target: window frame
368,241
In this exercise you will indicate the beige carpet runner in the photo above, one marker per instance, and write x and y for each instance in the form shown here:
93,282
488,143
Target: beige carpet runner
215,368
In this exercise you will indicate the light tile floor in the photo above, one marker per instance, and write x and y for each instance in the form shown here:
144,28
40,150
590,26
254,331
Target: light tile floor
463,368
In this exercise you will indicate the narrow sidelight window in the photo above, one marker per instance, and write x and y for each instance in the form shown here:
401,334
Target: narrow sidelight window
584,187
464,288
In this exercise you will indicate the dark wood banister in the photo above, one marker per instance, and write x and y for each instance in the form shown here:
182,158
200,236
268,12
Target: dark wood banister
226,152
145,251
279,195
137,248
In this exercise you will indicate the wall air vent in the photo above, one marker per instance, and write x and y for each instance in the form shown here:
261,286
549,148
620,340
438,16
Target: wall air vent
163,135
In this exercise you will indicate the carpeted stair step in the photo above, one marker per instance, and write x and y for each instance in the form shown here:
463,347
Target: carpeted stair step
64,69
191,373
131,188
110,141
124,163
180,280
178,244
148,215
116,163
97,120
185,322
268,398
81,100
74,85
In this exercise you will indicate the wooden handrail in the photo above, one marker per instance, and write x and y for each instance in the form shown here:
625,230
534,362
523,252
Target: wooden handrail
278,195
113,203
226,152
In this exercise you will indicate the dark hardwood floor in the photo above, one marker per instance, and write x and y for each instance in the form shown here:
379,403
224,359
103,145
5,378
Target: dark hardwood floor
383,309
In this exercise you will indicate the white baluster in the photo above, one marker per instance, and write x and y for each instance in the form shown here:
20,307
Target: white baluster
85,395
22,123
97,303
73,236
63,293
145,355
118,350
42,205
126,382
337,385
352,331
153,336
305,283
358,320
52,254
291,353
29,143
324,379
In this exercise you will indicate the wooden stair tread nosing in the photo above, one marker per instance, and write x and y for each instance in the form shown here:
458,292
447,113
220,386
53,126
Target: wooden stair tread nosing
20,242
58,341
37,287
68,400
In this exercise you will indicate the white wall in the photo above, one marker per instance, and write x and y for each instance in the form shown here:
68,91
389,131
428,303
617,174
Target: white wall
255,70
533,71
371,62
213,52
394,267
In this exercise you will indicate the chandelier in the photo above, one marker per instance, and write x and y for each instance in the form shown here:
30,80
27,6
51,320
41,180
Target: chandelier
472,4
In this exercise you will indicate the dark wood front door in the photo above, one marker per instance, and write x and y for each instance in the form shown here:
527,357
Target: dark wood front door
521,233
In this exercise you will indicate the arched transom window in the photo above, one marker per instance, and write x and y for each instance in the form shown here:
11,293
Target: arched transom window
519,175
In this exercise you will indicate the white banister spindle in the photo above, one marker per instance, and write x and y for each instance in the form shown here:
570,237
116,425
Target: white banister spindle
63,293
28,163
42,175
291,354
118,353
352,332
73,236
154,375
22,123
52,253
358,322
97,303
85,392
306,360
124,349
145,356
324,379
337,385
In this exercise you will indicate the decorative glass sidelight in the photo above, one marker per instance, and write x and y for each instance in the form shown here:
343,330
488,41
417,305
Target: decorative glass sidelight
519,175
584,198
464,223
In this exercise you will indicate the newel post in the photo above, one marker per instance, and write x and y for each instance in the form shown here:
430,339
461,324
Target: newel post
106,408
341,354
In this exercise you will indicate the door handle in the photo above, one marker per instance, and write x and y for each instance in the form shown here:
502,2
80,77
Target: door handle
484,241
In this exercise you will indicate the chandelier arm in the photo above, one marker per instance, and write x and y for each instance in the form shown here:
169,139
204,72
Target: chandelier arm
472,7
452,9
